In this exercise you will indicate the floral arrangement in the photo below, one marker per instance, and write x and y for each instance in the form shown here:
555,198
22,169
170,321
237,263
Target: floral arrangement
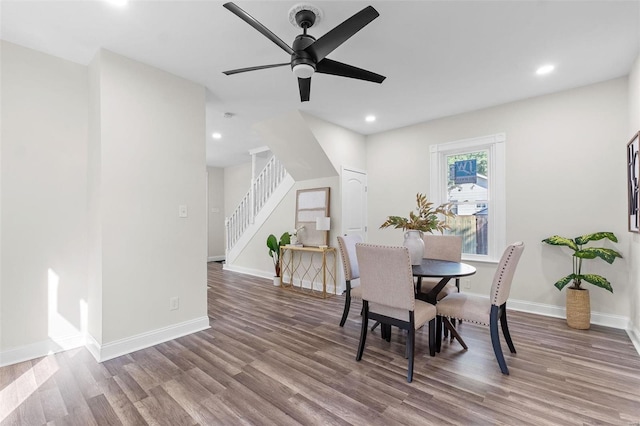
426,218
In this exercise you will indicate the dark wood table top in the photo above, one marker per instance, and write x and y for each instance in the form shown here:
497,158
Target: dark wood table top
433,268
442,269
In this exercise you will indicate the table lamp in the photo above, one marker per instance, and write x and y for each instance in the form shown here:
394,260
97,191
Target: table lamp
323,224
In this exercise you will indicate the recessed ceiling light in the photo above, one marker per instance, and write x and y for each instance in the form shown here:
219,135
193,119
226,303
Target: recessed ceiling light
119,3
370,118
545,69
216,135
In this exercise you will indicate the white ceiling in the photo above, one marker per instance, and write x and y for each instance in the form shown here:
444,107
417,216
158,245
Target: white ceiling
440,57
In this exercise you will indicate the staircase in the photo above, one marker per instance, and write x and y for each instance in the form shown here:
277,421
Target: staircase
267,189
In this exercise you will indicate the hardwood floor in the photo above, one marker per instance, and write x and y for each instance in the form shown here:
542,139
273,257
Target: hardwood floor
273,357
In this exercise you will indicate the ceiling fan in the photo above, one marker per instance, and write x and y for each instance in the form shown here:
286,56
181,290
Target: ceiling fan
308,55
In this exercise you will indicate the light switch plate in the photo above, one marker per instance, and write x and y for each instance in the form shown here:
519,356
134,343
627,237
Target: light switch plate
182,211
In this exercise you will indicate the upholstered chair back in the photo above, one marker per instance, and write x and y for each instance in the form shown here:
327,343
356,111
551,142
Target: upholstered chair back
386,279
443,247
504,274
347,246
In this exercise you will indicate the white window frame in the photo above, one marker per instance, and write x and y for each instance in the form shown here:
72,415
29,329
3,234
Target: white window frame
495,145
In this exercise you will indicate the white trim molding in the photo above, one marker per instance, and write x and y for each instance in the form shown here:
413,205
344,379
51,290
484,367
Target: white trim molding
495,146
40,349
144,340
597,318
634,335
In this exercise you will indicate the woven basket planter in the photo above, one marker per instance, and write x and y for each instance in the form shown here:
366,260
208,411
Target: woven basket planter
578,308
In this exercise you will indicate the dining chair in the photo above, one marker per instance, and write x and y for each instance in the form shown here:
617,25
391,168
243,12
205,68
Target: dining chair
347,247
441,247
388,296
480,310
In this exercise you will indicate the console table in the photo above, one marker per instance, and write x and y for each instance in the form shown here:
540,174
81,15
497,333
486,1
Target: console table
310,270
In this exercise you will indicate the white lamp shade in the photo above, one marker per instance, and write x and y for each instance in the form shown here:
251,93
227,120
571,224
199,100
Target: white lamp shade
323,223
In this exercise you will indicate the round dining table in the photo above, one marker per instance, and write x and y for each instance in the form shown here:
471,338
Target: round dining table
445,270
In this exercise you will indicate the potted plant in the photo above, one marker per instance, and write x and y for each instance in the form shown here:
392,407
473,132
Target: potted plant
426,218
274,252
578,303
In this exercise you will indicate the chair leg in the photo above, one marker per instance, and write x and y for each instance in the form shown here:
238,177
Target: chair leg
505,328
411,337
432,337
495,339
453,321
363,331
347,305
387,332
438,333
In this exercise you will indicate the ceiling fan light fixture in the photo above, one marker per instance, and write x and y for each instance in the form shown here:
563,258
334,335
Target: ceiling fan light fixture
303,70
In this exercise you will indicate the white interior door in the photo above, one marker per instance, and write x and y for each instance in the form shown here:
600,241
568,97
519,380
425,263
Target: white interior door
354,202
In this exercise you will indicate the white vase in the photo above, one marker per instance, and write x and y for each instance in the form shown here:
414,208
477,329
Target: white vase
414,242
276,281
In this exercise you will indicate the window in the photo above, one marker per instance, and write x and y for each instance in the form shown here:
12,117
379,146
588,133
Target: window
470,174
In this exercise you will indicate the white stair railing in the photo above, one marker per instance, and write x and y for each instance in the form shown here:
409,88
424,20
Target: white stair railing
261,189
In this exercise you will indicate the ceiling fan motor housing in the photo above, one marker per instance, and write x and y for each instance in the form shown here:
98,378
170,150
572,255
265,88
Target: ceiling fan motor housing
300,56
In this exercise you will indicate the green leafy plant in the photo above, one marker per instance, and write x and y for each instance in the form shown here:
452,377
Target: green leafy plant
274,249
426,218
579,253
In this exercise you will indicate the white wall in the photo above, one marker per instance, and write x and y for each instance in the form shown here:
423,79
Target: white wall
634,241
342,147
44,197
215,214
255,258
152,159
565,175
96,161
237,181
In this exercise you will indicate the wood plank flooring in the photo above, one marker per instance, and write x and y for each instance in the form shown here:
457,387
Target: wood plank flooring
273,357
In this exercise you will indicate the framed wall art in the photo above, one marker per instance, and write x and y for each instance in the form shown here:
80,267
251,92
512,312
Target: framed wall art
633,174
310,205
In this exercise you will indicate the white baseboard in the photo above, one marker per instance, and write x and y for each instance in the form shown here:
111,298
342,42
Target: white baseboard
247,271
598,318
40,349
269,275
215,258
634,335
145,340
103,352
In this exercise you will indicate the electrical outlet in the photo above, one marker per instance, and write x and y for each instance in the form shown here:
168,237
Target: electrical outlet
174,303
466,284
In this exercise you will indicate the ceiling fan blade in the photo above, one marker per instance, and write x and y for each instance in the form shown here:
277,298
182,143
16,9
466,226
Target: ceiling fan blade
327,66
334,38
258,26
259,67
305,88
